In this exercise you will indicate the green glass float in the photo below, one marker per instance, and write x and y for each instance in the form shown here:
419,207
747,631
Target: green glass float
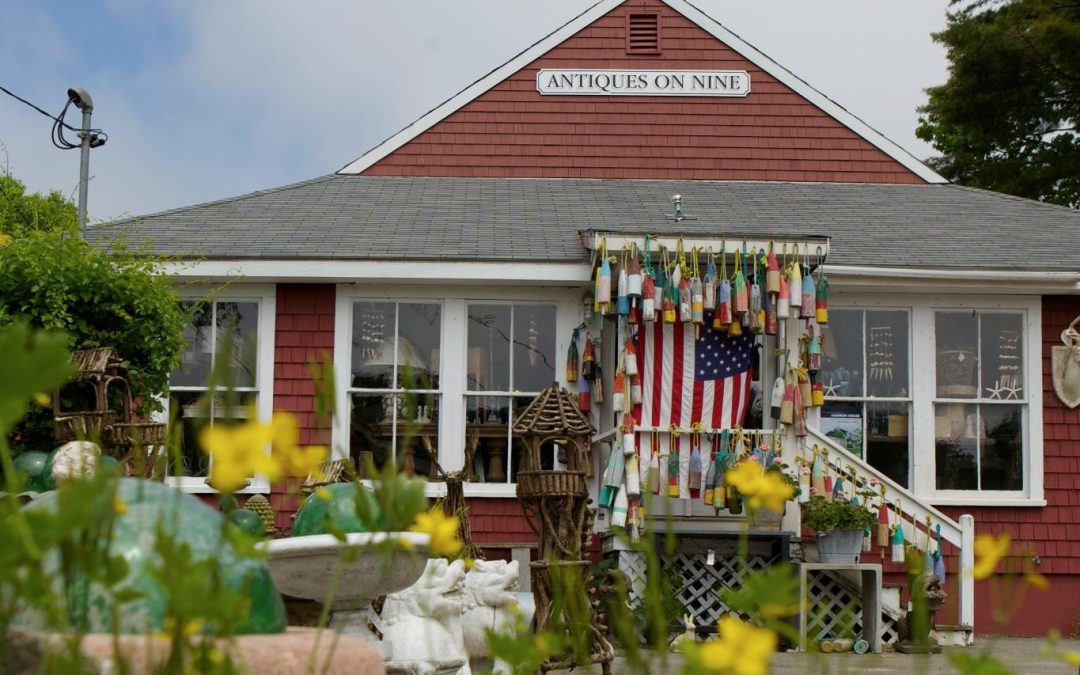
248,521
193,523
339,509
47,482
30,467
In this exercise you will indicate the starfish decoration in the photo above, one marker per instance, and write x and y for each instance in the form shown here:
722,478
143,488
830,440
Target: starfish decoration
831,388
996,391
1014,393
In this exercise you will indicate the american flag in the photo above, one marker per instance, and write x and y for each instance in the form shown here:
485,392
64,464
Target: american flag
687,380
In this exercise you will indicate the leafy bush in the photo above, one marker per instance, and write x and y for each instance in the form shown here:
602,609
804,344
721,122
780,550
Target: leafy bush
99,298
826,516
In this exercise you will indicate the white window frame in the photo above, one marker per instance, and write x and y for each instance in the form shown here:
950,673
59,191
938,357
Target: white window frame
266,297
864,398
923,345
453,357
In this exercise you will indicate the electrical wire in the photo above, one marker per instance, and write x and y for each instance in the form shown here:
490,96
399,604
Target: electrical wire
97,136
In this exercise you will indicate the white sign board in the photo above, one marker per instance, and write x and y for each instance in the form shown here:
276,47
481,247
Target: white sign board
643,82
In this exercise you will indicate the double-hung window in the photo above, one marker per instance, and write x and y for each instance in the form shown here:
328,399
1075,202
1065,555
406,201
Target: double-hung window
866,376
232,336
510,359
980,400
393,391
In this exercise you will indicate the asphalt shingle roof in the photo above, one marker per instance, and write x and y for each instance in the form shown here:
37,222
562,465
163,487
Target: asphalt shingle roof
368,218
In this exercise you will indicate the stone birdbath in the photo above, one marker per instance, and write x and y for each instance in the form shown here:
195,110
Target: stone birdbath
304,567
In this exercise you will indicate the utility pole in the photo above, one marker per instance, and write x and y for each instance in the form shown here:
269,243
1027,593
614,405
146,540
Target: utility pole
81,99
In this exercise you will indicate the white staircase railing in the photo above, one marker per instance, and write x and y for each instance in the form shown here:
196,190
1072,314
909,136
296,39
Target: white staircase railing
916,512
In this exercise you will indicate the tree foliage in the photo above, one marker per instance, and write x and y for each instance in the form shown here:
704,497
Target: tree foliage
22,213
99,298
1006,118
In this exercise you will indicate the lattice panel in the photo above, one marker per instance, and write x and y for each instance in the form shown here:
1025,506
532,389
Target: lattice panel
633,564
834,611
698,584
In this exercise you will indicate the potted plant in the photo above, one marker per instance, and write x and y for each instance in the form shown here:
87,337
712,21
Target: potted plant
840,527
767,519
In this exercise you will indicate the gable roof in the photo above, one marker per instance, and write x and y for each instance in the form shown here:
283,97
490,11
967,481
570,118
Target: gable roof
542,220
590,15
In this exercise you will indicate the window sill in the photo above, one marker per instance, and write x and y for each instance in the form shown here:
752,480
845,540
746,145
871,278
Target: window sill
199,487
988,501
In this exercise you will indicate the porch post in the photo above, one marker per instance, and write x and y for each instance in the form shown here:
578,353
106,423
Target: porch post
788,342
967,566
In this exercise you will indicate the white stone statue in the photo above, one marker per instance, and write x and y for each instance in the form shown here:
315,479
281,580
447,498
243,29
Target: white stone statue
77,459
423,622
490,591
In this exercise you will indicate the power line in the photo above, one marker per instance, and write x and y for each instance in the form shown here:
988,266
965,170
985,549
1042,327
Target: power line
59,125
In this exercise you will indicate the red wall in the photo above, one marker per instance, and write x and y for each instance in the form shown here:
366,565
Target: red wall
304,333
772,134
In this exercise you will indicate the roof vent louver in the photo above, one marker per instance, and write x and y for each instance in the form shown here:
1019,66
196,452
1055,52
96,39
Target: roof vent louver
643,33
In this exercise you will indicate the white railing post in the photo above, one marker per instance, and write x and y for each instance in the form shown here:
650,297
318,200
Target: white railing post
967,568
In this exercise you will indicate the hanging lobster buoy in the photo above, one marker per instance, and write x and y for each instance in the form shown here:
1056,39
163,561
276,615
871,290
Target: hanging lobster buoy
867,542
598,386
635,284
685,301
828,488
783,300
897,548
618,391
630,363
709,287
821,298
635,389
722,315
794,279
838,489
806,395
777,398
648,298
697,302
622,301
755,314
583,396
669,305
572,360
619,509
659,287
817,391
588,359
693,469
654,465
612,478
710,484
603,286
740,298
883,525
787,405
804,484
627,428
734,328
813,351
817,476
772,273
633,477
772,323
673,466
809,297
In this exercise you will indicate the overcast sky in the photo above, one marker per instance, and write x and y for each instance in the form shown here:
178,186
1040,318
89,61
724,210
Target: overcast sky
205,99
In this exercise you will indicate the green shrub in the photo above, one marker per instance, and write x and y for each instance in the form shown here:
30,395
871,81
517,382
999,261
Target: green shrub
825,516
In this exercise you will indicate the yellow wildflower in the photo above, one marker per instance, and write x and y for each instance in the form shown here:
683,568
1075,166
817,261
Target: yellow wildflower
42,399
470,564
293,459
739,648
1070,657
323,494
119,506
1036,580
405,544
443,530
5,239
989,550
238,452
190,627
761,489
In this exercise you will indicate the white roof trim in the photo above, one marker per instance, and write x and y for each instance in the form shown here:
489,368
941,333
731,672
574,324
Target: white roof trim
466,95
705,22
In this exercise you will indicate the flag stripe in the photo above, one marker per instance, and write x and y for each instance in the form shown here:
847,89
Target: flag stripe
676,373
